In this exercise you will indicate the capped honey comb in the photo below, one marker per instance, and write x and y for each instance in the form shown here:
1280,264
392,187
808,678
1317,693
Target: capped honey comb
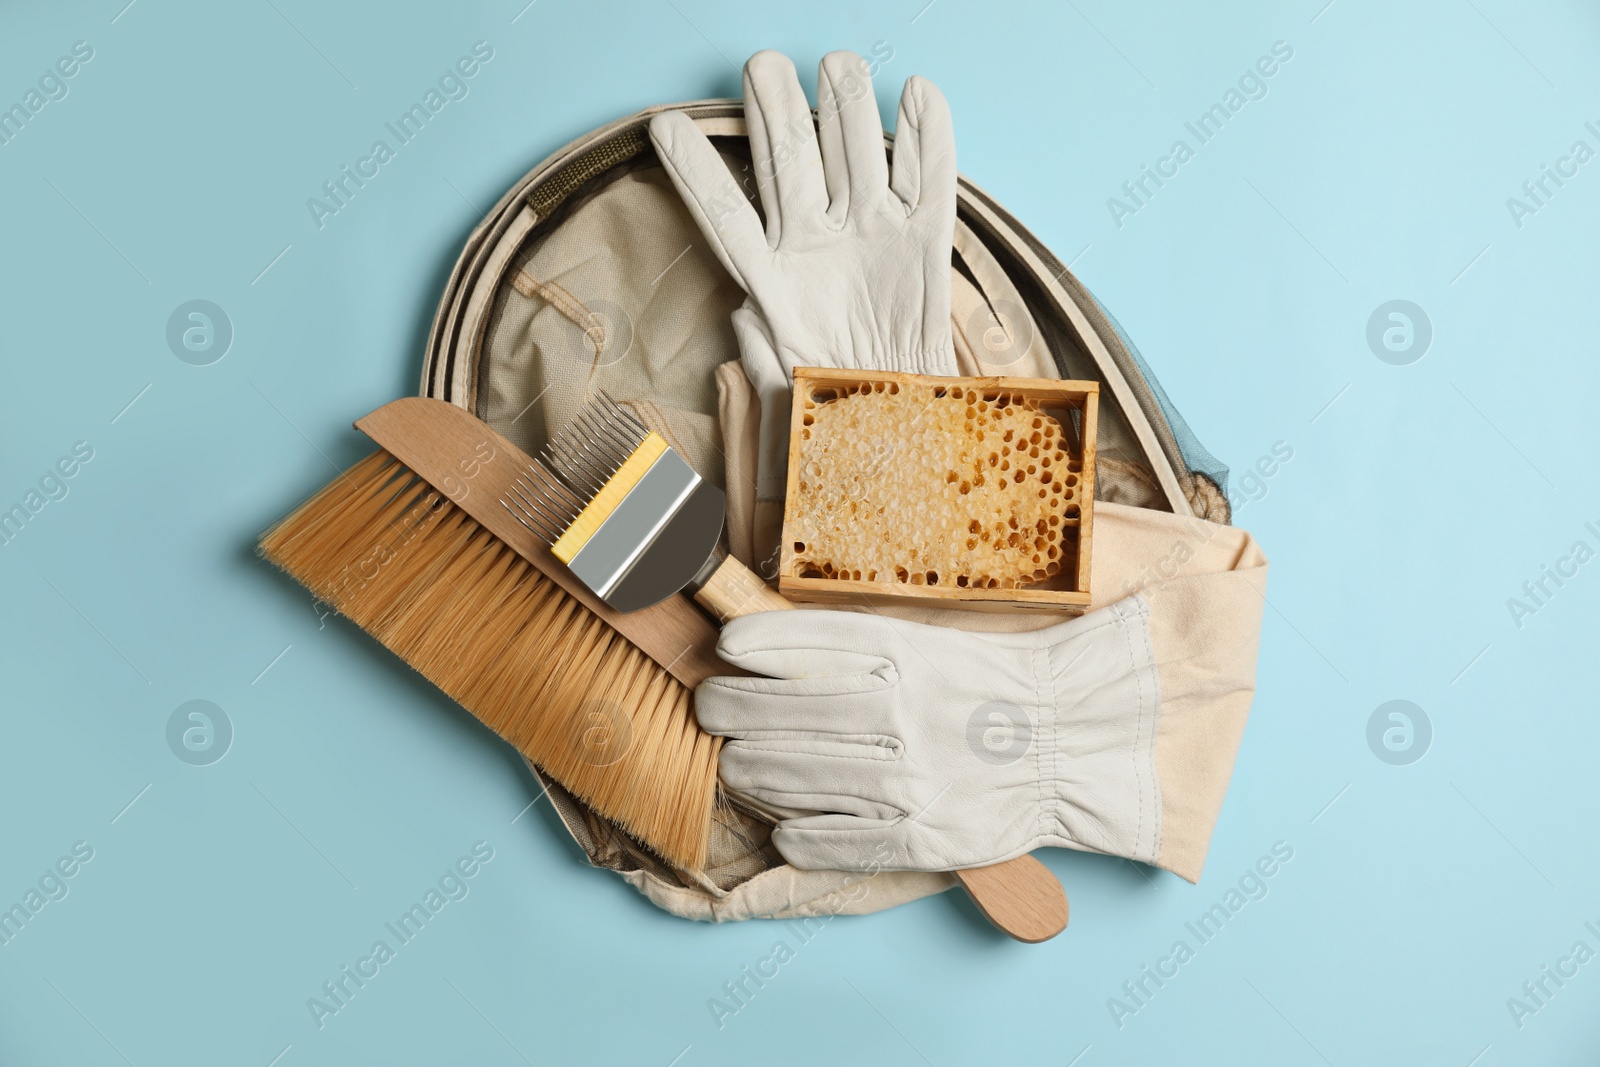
932,485
904,485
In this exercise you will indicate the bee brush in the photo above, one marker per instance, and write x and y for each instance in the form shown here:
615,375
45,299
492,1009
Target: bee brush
413,545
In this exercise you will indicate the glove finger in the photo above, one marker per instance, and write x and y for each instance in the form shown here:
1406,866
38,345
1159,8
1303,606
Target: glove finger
830,771
924,150
820,707
853,156
762,366
813,643
843,805
838,843
830,138
837,642
726,219
783,146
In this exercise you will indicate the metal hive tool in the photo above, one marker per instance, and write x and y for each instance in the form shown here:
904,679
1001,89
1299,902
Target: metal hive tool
630,518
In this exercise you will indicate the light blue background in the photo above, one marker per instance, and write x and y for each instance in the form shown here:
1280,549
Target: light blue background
1419,899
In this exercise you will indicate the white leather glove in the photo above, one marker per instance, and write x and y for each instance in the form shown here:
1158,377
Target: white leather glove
954,749
853,269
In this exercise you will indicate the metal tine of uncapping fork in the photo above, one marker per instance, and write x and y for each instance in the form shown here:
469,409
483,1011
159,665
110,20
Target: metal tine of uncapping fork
530,517
606,440
578,441
603,416
546,480
564,454
582,471
614,440
555,493
577,454
586,434
543,499
609,402
624,420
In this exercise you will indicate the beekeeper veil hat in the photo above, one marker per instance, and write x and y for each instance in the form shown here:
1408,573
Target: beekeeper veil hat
590,274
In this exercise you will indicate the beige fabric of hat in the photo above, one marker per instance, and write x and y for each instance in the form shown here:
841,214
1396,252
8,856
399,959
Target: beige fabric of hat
590,274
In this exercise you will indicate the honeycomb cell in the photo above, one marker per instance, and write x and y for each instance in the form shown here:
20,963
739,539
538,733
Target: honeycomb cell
930,486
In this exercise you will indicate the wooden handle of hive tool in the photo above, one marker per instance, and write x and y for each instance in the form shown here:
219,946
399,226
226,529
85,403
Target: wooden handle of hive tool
1019,896
734,590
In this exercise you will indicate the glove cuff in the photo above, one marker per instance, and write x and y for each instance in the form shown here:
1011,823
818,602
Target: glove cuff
940,359
1099,708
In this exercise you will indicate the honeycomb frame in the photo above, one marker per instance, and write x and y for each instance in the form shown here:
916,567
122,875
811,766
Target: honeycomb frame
997,474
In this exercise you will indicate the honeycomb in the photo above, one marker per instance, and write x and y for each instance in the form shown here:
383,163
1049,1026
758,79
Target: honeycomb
931,485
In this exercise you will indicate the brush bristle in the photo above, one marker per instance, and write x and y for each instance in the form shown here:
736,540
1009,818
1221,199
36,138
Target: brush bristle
539,668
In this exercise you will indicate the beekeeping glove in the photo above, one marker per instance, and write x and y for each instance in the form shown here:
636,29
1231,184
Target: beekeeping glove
853,268
953,749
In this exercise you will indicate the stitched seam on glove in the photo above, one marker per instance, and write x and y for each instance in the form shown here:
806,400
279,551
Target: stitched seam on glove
938,359
1124,618
1138,730
1044,710
869,682
812,646
873,741
896,749
1152,795
1029,639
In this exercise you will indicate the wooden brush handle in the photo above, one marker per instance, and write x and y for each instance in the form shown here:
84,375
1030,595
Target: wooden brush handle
1019,896
734,590
476,467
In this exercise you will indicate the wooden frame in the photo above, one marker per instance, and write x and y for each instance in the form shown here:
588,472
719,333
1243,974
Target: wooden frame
1075,406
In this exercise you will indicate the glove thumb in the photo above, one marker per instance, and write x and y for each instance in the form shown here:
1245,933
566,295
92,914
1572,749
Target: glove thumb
837,843
759,357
